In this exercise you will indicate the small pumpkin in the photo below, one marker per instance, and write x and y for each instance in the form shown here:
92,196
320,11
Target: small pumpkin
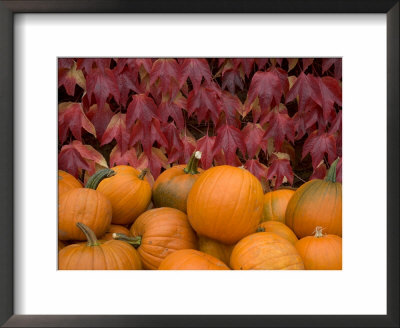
115,228
191,259
159,232
215,248
85,205
171,189
128,192
265,251
321,252
275,203
225,203
279,229
66,182
316,203
93,255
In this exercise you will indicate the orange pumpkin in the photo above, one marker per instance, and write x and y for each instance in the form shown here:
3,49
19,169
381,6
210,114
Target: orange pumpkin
265,251
128,193
316,203
115,228
84,205
66,182
321,252
159,232
275,203
61,245
225,203
171,189
110,255
215,248
191,259
279,229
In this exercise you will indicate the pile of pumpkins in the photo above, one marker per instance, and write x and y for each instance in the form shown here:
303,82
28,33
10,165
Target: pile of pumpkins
191,219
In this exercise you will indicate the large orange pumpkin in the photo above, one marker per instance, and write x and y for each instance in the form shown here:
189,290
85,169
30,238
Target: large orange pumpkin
321,252
110,255
115,228
66,182
85,205
225,203
279,229
275,203
265,251
128,192
159,232
215,248
191,259
316,203
171,189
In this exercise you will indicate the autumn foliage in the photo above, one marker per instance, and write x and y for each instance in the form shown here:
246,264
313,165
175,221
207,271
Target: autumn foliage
281,118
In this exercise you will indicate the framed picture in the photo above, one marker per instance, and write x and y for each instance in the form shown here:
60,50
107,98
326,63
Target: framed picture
325,42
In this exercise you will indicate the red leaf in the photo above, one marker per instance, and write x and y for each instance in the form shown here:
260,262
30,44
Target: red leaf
204,103
65,63
247,64
71,117
268,87
196,70
231,79
166,71
175,145
252,136
256,168
147,135
307,88
206,146
232,107
261,62
100,118
101,84
304,120
280,125
319,172
336,124
189,146
280,168
127,80
71,77
172,109
142,108
331,93
76,156
129,157
327,64
319,144
116,129
229,139
154,161
87,64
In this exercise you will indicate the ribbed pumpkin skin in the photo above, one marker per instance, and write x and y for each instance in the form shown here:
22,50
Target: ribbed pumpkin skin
275,203
265,251
83,205
115,228
111,255
129,195
191,259
279,229
225,204
215,248
163,231
66,182
323,253
315,203
171,189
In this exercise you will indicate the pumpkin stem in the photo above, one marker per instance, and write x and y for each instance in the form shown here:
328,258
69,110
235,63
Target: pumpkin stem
143,174
260,229
331,175
90,235
96,178
191,167
134,241
318,232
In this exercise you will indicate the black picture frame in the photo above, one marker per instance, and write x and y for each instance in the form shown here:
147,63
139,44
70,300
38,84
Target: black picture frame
7,11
